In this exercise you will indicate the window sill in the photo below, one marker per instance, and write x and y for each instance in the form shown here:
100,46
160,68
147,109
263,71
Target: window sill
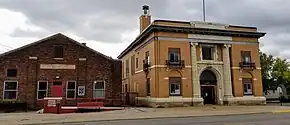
248,94
58,58
70,99
175,95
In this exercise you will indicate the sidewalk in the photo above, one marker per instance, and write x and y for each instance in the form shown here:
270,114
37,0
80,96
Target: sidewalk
135,113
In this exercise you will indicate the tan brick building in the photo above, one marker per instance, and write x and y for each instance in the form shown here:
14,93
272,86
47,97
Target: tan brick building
193,63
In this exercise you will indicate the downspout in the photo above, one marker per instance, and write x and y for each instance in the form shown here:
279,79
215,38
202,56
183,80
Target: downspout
35,81
77,69
190,49
27,68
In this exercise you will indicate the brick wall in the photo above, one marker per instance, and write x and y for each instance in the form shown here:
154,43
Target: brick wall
95,67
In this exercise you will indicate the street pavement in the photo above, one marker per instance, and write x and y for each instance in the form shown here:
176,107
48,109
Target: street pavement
250,119
138,113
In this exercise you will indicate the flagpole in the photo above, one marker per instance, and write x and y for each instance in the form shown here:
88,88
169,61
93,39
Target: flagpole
203,3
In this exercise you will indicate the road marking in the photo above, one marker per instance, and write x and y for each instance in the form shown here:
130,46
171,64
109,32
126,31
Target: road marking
281,111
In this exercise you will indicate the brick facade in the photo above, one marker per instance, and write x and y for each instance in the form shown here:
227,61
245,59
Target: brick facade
89,66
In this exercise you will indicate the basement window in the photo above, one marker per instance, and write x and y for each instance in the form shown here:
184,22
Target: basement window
11,72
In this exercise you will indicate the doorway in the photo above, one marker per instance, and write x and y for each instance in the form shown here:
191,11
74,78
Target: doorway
208,94
208,83
56,89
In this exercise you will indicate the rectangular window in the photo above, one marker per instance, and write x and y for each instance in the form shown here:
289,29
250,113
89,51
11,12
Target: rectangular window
132,64
137,62
11,72
175,84
123,70
246,56
148,86
248,88
174,55
42,89
207,52
10,89
71,89
147,57
127,68
99,89
58,51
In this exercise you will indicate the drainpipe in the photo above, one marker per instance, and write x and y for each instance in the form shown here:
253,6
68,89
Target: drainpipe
190,44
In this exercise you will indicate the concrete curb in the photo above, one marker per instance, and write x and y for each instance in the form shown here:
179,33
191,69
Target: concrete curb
160,117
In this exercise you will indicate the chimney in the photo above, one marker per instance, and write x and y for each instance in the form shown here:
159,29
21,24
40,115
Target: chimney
145,18
84,44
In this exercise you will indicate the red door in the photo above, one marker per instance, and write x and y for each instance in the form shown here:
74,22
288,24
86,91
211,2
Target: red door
56,89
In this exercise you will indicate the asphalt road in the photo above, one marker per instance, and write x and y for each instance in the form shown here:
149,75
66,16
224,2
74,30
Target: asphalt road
252,119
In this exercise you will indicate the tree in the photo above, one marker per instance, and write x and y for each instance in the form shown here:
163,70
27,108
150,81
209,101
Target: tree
275,71
267,62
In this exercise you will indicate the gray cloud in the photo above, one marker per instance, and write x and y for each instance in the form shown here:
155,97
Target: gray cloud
106,20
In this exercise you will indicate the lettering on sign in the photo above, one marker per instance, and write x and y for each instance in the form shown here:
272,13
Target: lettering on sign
57,66
51,103
81,90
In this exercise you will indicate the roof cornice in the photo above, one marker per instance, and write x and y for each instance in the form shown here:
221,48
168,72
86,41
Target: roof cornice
189,30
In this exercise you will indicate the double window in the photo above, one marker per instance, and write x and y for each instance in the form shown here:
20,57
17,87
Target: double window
10,89
71,89
246,56
175,86
248,86
208,52
174,55
99,89
42,89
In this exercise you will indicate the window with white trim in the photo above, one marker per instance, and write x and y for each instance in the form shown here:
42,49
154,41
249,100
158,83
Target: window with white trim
99,89
175,86
42,89
71,89
10,89
248,89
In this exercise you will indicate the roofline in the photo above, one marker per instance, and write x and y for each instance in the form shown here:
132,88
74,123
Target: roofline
52,36
187,22
171,21
151,28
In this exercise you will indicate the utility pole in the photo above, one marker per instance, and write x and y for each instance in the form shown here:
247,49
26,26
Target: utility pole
203,4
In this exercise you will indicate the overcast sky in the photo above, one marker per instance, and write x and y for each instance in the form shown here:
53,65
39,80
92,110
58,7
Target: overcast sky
109,26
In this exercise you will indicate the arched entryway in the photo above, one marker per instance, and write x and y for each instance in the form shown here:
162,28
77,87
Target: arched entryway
208,82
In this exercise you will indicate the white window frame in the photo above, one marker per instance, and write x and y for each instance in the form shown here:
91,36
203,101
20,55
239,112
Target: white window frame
41,90
104,90
214,54
75,89
175,83
251,85
10,90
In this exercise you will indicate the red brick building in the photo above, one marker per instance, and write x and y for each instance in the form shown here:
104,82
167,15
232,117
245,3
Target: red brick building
58,66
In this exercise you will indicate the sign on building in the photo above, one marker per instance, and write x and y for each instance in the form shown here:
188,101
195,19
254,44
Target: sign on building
81,90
